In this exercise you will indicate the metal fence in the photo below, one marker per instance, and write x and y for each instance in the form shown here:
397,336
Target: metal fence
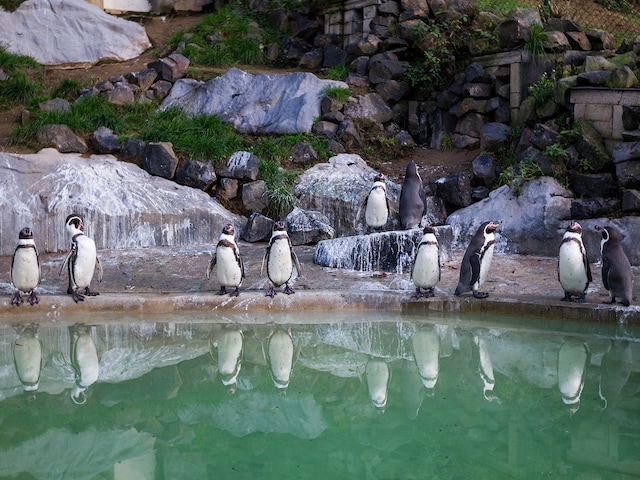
619,17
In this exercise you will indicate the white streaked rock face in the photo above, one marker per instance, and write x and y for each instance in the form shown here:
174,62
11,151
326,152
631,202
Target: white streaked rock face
123,206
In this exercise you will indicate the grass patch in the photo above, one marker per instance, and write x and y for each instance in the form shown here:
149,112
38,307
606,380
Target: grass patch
18,88
339,94
279,188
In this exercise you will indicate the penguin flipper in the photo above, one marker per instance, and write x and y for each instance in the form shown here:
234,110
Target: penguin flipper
363,206
72,253
13,259
587,268
99,271
212,263
606,265
295,260
474,262
264,258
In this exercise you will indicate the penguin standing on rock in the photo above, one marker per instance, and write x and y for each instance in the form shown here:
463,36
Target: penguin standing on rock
574,272
25,268
425,271
280,260
226,258
82,261
477,260
412,199
376,205
617,275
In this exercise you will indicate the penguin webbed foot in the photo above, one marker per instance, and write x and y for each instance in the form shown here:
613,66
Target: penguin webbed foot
222,291
477,294
567,297
419,294
235,293
287,289
17,299
90,293
271,292
77,297
582,298
33,298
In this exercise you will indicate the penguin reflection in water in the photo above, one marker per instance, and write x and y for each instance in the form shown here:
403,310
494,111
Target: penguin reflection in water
84,361
82,261
425,271
574,272
617,275
280,260
477,260
226,258
376,205
25,268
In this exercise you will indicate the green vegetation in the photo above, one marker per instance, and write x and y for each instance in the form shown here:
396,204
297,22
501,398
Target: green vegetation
279,188
11,5
534,44
338,93
542,91
338,72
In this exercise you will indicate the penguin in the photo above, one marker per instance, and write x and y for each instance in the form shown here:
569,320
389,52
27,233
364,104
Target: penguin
485,369
280,358
230,345
574,272
280,260
82,260
617,275
25,268
377,375
228,262
84,361
27,358
425,271
376,204
572,363
412,199
616,368
426,353
477,260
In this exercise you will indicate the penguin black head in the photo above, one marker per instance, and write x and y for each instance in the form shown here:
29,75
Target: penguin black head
25,234
75,220
412,169
609,234
279,226
379,178
228,229
429,229
574,227
491,226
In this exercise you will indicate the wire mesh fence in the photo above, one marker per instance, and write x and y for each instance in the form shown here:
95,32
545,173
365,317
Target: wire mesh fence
619,17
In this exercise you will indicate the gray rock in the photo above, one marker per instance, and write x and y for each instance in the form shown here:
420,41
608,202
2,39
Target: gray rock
436,211
307,227
143,79
404,139
55,105
370,107
333,56
171,68
76,32
241,165
455,189
195,174
303,152
533,219
471,124
159,159
123,206
478,90
60,136
392,91
630,201
591,147
578,41
254,196
133,150
556,42
161,89
493,135
543,136
103,140
462,141
624,151
228,188
328,129
592,185
122,93
593,79
257,229
382,70
583,208
246,101
312,61
628,174
600,39
483,171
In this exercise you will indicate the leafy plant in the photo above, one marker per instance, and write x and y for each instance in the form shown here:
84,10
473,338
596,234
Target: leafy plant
534,44
279,188
339,72
340,94
12,61
542,90
18,88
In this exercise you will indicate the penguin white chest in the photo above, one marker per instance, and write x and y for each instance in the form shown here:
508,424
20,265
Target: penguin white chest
376,214
281,358
377,374
426,266
571,267
85,262
86,361
280,263
25,274
426,352
228,268
486,256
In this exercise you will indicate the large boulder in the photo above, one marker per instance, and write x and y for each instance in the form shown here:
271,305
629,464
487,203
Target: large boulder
70,31
122,204
337,189
255,104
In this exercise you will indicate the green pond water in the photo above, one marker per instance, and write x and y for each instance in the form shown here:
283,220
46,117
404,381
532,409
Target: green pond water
342,396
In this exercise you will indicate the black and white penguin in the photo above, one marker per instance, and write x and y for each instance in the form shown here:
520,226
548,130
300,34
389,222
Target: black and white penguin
230,345
412,199
82,260
574,272
228,262
280,260
572,364
477,260
425,271
376,205
377,376
617,275
25,268
27,358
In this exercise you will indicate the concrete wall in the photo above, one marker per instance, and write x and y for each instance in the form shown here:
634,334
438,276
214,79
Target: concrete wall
602,107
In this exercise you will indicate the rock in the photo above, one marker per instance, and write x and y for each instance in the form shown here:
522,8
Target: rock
392,91
630,201
308,227
312,61
370,107
592,185
404,140
55,105
387,251
254,196
161,89
122,93
514,31
228,188
435,211
624,151
333,56
484,171
578,40
591,147
303,152
600,39
246,100
195,174
143,79
103,140
171,68
85,32
60,136
533,221
583,208
628,174
159,159
493,135
325,128
382,70
133,150
123,206
455,189
556,42
241,165
257,229
543,136
337,189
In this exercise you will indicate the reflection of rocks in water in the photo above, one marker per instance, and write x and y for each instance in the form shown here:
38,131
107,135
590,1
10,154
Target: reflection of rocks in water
386,251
